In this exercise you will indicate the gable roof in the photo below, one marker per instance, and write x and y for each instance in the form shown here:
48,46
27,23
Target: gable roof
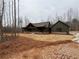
42,24
62,23
45,24
30,25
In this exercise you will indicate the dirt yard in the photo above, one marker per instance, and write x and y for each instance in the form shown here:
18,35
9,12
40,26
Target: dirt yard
48,37
54,47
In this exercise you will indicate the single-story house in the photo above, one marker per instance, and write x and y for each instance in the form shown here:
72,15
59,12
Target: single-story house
47,27
37,27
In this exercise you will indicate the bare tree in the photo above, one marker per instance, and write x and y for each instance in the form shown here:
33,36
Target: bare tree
18,13
26,20
20,24
15,17
9,14
1,17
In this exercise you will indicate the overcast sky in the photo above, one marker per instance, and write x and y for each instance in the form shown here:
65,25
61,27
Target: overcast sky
41,9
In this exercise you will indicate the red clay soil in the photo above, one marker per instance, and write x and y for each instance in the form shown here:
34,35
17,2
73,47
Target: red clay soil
26,48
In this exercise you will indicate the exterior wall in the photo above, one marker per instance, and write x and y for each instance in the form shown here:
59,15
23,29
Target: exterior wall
60,27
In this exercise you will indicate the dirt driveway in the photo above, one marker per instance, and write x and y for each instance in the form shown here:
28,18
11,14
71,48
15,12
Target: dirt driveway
26,48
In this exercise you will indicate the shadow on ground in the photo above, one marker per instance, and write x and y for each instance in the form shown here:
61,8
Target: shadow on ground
21,44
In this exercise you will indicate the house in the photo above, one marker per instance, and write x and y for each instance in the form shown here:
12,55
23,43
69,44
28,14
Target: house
37,27
60,27
47,27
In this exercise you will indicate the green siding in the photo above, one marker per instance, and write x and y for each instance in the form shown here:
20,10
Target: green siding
63,27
